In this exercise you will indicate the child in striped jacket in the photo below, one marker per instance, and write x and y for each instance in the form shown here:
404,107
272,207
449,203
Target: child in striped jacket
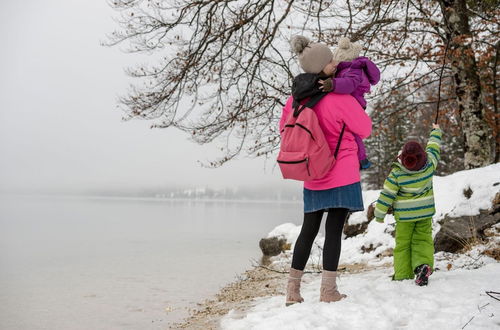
408,189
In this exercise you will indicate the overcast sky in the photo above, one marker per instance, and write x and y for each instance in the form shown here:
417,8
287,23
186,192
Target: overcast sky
59,125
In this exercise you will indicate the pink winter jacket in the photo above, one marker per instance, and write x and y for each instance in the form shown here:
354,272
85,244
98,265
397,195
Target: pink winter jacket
333,110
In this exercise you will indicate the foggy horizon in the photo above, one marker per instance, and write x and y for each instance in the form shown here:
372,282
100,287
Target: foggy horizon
60,129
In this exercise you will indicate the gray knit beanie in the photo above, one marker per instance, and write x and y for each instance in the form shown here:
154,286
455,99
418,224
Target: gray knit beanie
313,56
346,50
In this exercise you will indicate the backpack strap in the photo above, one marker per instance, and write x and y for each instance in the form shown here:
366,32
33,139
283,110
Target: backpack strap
298,108
338,143
309,104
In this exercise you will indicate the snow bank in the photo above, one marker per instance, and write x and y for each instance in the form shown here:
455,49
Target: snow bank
449,191
375,302
287,230
368,247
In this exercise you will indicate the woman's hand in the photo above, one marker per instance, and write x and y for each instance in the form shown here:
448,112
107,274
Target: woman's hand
436,126
330,68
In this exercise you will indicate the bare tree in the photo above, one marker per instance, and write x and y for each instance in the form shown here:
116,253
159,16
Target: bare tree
392,132
226,67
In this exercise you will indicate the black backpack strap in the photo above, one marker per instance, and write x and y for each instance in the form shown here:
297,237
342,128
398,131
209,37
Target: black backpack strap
315,99
297,108
309,104
338,143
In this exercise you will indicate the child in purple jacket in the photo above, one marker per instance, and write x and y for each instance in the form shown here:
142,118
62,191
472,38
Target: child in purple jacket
353,75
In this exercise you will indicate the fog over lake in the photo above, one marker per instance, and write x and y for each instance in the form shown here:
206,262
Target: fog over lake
60,129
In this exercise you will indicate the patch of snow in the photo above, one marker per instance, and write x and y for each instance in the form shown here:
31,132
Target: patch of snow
287,230
369,196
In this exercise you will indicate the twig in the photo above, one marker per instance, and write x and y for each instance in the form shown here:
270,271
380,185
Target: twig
440,80
490,293
270,269
467,322
256,264
475,260
479,308
320,248
284,272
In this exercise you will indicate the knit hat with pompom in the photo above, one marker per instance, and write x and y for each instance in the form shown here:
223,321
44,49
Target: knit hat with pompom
313,56
413,156
346,50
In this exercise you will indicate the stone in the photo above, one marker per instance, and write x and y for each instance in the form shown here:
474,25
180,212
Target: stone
370,248
386,253
272,246
391,229
460,232
353,230
360,228
468,193
370,213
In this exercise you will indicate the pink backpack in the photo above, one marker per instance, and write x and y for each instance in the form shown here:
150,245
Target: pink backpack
304,153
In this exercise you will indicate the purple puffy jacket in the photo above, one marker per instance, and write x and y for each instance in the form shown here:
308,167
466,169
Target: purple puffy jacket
355,78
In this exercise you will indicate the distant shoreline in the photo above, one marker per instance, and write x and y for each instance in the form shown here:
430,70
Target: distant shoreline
150,199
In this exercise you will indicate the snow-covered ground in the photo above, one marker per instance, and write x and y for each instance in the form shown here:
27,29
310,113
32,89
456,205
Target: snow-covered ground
375,302
455,294
450,200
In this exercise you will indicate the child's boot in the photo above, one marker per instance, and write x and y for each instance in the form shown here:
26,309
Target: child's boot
328,291
422,274
293,288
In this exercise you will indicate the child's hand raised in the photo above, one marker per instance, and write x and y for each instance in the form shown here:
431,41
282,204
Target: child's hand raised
435,126
326,85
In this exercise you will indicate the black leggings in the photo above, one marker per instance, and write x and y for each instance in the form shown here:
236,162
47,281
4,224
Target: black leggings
333,237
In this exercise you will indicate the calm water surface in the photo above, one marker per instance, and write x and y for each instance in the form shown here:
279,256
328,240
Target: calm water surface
110,263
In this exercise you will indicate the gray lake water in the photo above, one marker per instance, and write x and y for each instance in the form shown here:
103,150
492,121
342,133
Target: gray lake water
116,263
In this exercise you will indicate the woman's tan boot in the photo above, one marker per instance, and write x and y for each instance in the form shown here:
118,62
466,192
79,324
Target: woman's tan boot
293,287
328,291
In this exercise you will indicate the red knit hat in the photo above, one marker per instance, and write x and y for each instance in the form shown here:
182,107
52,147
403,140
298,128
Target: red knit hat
413,156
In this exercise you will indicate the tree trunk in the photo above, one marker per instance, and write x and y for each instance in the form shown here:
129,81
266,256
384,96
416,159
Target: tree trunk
495,104
478,143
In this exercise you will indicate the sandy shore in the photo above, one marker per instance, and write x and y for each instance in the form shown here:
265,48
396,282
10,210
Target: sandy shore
239,295
257,282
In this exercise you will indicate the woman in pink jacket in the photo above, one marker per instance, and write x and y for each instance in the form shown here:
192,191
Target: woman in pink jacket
339,191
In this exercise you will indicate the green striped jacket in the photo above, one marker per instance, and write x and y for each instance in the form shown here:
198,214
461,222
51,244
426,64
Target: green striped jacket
410,193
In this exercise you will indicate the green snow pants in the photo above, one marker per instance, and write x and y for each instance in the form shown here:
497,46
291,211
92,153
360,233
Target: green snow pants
414,247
